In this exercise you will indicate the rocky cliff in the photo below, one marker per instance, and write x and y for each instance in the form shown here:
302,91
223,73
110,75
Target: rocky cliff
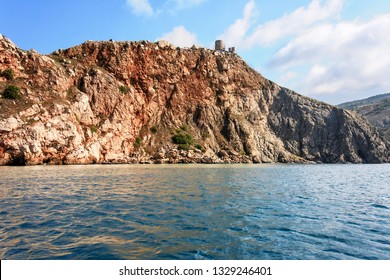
127,102
377,111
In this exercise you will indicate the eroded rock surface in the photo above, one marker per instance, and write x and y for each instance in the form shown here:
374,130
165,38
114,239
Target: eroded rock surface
124,102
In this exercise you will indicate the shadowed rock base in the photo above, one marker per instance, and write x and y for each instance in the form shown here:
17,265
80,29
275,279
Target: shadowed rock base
143,102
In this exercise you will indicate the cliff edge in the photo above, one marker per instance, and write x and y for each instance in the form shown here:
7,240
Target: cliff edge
375,109
143,102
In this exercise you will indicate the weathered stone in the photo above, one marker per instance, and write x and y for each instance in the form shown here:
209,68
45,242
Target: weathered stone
82,115
8,125
164,44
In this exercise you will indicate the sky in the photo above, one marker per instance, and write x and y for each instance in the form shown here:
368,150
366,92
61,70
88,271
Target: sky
331,50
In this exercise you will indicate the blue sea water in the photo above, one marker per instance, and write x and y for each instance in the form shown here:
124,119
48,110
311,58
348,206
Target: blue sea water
195,212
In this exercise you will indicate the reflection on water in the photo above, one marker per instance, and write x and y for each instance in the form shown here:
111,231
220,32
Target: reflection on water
195,212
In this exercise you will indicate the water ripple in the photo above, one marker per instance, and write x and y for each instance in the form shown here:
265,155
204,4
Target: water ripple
195,212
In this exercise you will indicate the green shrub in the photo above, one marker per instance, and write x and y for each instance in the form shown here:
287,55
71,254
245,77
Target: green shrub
8,74
198,146
124,89
137,142
11,92
153,129
181,138
94,128
205,134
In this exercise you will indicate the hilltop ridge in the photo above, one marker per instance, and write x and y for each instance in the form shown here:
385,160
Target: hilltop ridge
144,102
376,109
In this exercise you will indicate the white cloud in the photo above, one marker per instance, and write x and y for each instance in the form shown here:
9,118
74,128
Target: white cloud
141,7
235,33
287,25
179,36
295,22
345,57
316,52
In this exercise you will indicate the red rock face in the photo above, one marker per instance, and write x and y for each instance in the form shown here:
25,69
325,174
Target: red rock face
124,102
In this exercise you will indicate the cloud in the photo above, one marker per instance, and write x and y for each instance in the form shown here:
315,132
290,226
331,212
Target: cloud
318,53
236,32
295,22
345,57
287,25
141,7
179,36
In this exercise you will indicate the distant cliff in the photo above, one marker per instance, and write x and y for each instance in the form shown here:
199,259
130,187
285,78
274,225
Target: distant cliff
376,109
134,102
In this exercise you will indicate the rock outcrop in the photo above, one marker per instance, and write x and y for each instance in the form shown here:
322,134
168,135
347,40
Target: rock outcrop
376,110
143,102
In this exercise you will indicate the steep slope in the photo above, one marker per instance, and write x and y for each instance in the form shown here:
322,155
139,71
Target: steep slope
121,102
377,111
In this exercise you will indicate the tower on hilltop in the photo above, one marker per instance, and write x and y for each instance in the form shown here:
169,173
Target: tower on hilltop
219,45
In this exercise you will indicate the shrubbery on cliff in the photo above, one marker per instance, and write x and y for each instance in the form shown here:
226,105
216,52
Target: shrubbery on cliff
11,92
181,138
8,74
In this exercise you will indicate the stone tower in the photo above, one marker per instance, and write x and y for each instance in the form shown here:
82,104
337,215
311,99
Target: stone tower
219,45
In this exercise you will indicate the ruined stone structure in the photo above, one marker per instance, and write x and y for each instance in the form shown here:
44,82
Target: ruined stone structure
143,102
219,45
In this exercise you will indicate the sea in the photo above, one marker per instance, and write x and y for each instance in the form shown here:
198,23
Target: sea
191,212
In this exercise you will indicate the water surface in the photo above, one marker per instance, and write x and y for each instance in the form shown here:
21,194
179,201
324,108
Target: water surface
195,212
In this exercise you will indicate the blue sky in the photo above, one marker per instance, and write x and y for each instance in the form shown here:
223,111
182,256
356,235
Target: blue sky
330,50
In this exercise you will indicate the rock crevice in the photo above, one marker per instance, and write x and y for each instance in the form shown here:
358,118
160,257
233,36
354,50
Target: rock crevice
122,102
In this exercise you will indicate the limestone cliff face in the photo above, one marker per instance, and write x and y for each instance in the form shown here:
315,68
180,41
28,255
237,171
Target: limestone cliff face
127,102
